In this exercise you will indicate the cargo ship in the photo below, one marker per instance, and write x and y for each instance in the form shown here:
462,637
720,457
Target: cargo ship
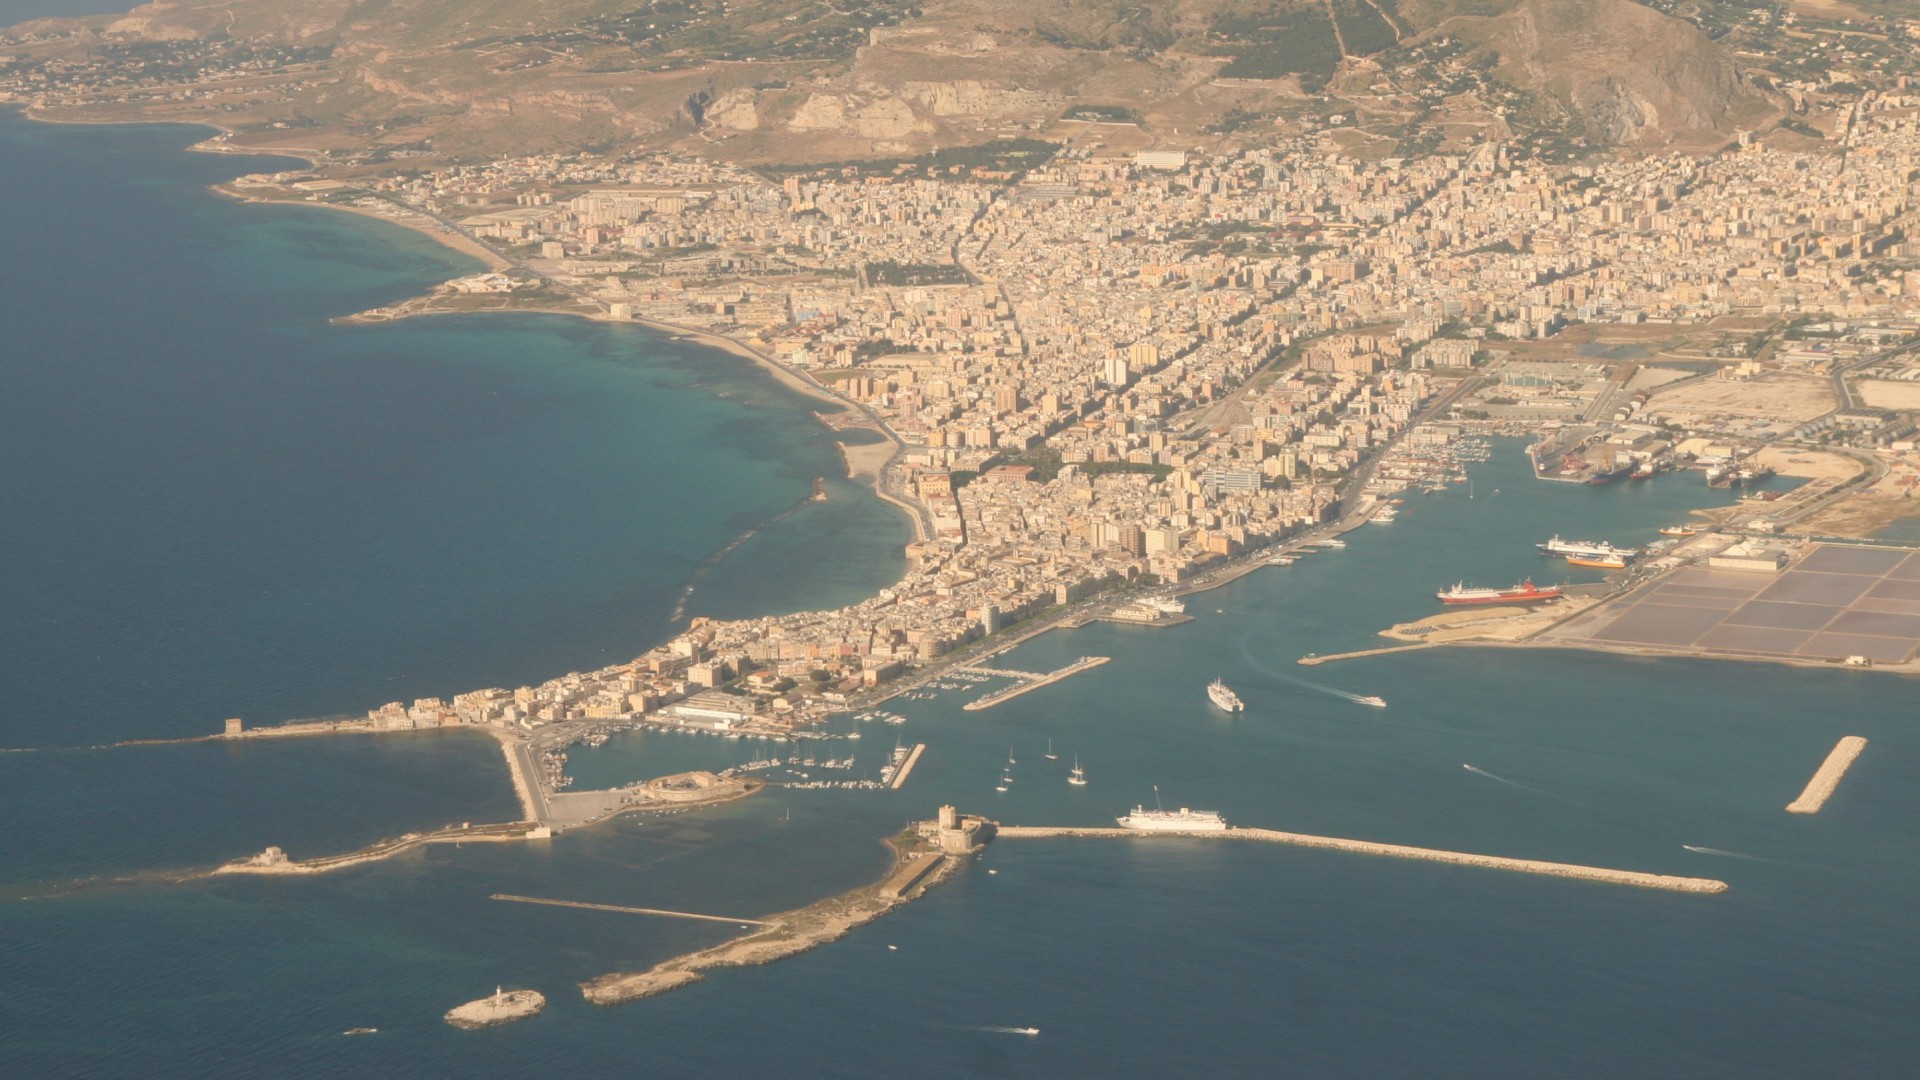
1225,698
1609,473
1585,549
1524,593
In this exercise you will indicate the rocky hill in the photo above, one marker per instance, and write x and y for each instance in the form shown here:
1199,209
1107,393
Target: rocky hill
790,80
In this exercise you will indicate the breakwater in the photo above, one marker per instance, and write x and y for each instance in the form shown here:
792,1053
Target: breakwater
1033,682
906,767
1827,778
625,910
916,867
1634,878
1315,661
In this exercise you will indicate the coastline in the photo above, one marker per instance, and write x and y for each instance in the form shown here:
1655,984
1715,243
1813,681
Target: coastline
914,870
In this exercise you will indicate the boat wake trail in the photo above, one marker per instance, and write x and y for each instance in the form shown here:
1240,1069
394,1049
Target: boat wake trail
1723,853
1028,1031
706,565
1477,771
1358,699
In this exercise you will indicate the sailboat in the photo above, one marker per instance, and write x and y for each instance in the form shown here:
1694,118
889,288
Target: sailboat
1077,776
1051,756
1010,760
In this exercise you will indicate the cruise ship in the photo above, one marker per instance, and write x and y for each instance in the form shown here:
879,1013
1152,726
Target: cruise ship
1224,697
1586,549
1181,820
1523,593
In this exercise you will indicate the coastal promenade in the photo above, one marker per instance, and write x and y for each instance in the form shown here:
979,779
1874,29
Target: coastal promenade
1573,871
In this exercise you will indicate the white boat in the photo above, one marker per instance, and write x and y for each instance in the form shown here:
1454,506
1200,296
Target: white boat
1077,776
1370,699
1181,820
1225,698
1051,756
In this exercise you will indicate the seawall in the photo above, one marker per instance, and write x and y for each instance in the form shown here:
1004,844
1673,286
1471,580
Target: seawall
1399,851
1828,777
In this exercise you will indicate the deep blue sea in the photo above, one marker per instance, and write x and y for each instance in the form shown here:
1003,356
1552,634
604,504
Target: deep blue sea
218,503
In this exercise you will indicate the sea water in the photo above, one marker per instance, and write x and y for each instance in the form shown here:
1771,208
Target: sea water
1132,957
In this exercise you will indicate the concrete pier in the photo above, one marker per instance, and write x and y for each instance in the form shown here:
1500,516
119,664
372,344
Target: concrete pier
1034,683
1314,661
1821,787
906,767
628,910
1399,851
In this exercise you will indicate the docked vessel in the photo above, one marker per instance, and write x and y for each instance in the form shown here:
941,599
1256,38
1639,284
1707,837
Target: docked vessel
1225,698
1181,820
1523,593
1607,474
1384,515
1602,562
1586,549
1679,530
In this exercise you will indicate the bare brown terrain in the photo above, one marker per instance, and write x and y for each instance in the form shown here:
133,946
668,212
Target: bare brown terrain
804,80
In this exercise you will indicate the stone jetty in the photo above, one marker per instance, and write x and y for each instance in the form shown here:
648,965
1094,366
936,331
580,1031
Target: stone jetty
1399,851
1827,779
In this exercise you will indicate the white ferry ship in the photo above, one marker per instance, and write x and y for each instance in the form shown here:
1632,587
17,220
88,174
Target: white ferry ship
1587,549
1224,697
1181,820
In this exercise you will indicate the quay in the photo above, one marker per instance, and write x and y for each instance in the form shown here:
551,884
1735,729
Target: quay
913,758
1399,851
1827,778
627,910
1034,683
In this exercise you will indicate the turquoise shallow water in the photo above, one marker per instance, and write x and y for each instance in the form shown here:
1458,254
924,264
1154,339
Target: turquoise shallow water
1135,958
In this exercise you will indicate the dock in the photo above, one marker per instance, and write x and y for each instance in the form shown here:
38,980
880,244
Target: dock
1827,778
1031,681
628,910
1575,871
900,774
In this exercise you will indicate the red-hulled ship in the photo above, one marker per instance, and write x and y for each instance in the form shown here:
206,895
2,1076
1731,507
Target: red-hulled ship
1524,593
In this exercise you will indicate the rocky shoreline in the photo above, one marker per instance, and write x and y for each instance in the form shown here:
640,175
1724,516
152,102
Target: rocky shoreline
792,932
